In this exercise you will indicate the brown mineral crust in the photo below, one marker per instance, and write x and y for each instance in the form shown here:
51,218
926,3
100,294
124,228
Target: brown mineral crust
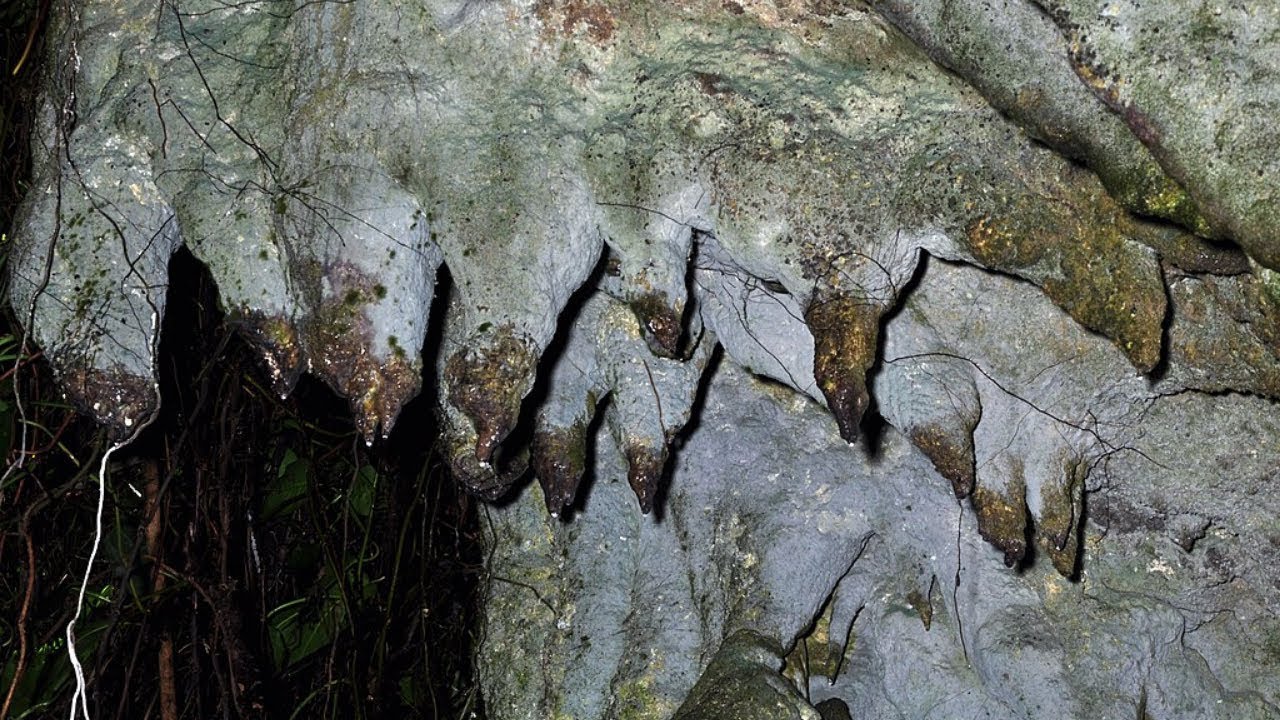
660,321
1002,521
559,462
488,382
1079,249
387,385
339,340
645,465
117,399
845,334
950,452
567,16
277,340
1058,528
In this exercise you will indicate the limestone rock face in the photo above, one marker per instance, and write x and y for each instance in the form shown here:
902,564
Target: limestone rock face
799,302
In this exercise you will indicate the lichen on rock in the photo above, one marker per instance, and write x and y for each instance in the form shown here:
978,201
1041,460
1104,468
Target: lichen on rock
1191,83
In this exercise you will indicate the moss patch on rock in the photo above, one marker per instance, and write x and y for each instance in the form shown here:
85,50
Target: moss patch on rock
488,381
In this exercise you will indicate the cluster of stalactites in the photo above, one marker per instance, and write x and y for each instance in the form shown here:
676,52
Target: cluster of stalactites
716,183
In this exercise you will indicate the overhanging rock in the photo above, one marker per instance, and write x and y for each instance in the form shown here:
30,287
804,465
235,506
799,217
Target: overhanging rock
620,189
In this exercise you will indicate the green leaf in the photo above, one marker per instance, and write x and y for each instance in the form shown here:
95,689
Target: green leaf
300,628
363,490
288,488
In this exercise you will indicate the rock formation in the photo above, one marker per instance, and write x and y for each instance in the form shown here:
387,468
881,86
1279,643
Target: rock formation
840,289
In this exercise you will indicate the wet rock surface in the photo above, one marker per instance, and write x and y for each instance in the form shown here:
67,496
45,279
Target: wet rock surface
942,337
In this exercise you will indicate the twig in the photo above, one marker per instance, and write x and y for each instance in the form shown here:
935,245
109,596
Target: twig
1092,432
81,697
657,400
168,688
23,615
32,34
81,694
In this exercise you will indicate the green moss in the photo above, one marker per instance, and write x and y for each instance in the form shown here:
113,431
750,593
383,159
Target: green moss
1079,248
85,296
279,331
396,348
1270,282
636,700
1161,197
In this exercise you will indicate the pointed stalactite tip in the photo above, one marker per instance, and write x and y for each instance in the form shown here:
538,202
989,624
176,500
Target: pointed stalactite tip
645,465
1058,527
845,335
379,392
559,462
1064,556
277,341
661,322
951,453
1003,522
487,381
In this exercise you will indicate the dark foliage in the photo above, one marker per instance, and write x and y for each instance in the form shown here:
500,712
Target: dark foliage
257,560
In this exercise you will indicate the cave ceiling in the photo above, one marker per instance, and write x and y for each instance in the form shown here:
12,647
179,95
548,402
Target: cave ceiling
1009,229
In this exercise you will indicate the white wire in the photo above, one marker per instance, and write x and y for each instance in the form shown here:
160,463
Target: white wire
81,697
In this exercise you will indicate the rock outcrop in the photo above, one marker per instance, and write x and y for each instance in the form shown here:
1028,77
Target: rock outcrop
839,289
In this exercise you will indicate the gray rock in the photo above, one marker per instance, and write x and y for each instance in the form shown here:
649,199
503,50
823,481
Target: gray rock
746,232
1197,83
770,518
1016,57
742,682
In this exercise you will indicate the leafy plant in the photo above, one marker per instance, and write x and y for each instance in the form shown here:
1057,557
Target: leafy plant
257,559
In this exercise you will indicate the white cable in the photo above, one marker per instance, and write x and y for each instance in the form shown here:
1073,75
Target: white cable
81,697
